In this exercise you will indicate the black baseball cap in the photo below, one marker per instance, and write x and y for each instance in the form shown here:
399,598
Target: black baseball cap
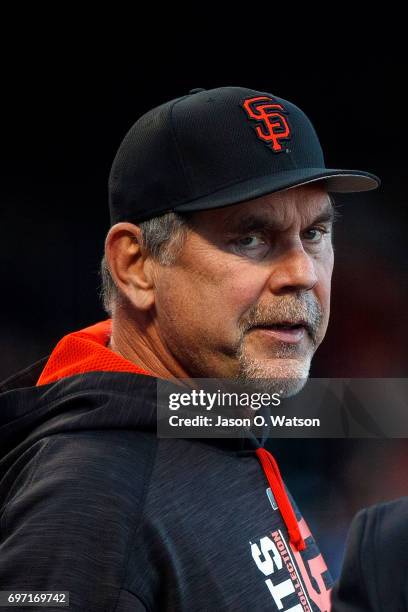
217,147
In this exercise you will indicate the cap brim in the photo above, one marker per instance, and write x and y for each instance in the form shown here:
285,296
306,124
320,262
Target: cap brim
335,181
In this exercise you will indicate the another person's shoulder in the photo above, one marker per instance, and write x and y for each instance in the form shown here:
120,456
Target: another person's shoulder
383,530
374,575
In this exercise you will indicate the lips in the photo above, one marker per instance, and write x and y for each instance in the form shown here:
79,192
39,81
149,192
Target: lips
284,331
285,325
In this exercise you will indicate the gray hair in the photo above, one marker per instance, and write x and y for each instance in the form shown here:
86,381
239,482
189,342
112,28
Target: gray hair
162,237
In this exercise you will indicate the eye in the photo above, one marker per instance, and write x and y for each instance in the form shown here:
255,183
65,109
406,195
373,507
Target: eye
250,241
315,234
251,245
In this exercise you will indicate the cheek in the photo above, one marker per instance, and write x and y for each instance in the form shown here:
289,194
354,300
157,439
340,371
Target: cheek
212,304
244,290
326,275
323,289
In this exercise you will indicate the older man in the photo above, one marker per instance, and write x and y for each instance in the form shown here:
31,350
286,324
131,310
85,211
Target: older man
217,265
247,296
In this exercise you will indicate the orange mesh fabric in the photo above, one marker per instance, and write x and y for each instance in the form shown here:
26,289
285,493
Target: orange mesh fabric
86,351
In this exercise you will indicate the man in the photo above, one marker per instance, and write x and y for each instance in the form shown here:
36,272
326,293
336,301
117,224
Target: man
217,265
374,575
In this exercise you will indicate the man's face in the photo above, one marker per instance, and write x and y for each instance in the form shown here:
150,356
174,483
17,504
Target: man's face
249,296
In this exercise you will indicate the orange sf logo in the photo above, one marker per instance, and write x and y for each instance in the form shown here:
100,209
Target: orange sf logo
274,126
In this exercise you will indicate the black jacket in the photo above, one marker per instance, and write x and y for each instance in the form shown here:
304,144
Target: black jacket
374,577
93,502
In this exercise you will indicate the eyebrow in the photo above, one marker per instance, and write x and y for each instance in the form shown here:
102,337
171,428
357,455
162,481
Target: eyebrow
260,220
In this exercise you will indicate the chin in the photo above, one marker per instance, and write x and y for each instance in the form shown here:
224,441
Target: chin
284,376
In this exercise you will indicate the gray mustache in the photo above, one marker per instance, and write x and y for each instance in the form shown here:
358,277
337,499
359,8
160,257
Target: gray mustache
307,312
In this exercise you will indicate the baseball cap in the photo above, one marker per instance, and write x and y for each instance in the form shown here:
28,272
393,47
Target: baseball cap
217,147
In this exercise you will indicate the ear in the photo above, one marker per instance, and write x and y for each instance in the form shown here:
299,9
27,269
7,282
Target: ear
130,268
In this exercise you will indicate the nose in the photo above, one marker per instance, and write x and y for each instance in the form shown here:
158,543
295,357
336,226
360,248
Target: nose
294,270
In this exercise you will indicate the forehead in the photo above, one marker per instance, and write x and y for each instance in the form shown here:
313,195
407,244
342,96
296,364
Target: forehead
282,209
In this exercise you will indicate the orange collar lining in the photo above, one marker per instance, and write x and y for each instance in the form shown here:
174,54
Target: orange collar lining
86,351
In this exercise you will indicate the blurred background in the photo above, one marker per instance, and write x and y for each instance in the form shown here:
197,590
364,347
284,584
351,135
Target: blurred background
66,109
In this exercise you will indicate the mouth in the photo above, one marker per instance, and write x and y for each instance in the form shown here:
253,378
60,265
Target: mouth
285,331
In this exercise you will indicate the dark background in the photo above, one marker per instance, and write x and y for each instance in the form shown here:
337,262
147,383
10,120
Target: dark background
64,115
